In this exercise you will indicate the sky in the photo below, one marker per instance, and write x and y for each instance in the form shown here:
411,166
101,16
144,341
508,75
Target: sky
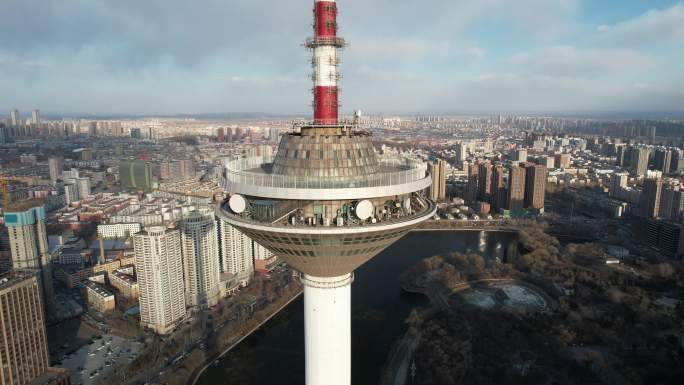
157,57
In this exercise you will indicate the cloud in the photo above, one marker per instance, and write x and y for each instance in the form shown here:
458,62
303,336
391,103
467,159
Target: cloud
405,55
531,92
657,26
135,34
586,63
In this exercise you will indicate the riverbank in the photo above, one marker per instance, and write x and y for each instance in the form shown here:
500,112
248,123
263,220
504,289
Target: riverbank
504,226
194,377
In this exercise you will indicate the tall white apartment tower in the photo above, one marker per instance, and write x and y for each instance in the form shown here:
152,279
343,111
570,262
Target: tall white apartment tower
200,258
15,118
55,165
35,117
159,267
236,252
83,185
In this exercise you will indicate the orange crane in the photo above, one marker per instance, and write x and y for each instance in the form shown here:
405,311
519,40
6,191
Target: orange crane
6,195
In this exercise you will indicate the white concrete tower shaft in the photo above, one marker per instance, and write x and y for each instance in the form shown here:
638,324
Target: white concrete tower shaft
327,329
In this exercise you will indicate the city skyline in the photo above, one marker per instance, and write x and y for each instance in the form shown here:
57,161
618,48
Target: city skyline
566,56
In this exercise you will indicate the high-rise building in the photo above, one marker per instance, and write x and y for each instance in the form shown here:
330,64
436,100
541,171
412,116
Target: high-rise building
662,160
25,223
622,157
35,117
672,203
471,188
159,268
516,189
520,155
484,183
4,133
83,186
200,258
187,167
677,163
68,129
562,160
220,135
236,252
325,205
273,135
618,181
71,193
136,175
651,133
498,188
678,206
667,202
668,236
638,160
649,203
535,186
15,118
92,128
547,161
55,166
175,170
437,171
136,133
24,350
461,151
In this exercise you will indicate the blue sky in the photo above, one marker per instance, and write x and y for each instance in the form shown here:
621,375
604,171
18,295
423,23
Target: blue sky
405,56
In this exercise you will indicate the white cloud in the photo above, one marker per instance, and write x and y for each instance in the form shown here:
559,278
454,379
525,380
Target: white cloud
574,62
655,26
415,52
530,92
405,56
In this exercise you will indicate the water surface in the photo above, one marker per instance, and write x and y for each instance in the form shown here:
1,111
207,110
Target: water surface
275,353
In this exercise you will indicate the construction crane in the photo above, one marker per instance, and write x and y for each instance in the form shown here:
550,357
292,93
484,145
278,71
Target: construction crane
6,194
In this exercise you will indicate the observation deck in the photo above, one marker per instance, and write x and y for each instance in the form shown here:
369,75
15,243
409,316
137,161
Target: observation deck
255,177
325,203
329,250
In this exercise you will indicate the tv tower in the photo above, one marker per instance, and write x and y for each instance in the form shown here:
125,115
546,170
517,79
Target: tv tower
325,62
325,204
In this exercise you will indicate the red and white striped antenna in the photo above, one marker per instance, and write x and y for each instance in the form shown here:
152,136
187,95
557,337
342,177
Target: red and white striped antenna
325,62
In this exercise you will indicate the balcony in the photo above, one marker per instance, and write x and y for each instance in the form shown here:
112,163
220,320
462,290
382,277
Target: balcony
421,210
253,176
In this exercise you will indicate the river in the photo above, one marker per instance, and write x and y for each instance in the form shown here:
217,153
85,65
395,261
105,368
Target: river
275,353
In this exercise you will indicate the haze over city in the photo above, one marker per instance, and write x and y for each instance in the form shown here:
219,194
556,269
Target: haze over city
441,56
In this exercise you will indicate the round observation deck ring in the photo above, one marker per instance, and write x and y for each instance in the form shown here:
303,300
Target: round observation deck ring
237,204
364,209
